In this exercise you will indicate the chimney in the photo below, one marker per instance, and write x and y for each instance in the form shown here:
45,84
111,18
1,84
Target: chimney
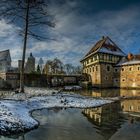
130,56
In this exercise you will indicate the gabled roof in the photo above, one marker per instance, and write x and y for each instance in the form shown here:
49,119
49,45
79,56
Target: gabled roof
4,55
105,45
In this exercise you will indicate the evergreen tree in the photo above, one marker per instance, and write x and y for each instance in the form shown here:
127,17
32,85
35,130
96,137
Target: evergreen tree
38,69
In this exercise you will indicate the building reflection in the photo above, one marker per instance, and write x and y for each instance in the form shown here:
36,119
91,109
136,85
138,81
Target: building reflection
111,93
101,93
109,118
130,93
131,106
105,119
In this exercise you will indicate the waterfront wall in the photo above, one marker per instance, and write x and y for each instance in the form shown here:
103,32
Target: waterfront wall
40,80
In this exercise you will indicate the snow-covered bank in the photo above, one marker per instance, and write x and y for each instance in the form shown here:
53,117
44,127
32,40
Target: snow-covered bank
15,115
72,88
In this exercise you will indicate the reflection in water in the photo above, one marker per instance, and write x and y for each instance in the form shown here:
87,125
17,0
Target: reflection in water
107,119
115,125
110,93
130,130
67,124
131,106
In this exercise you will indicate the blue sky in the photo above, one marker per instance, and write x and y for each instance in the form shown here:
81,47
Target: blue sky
79,24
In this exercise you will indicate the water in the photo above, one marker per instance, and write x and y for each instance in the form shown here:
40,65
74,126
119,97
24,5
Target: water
115,121
110,93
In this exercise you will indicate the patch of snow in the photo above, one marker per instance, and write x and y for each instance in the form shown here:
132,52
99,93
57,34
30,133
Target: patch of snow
72,87
30,92
105,50
129,63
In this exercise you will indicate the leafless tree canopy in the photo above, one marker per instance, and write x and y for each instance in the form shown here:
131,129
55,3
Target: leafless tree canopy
30,15
56,66
14,11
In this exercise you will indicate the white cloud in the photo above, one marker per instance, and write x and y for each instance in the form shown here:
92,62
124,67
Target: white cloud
4,28
63,45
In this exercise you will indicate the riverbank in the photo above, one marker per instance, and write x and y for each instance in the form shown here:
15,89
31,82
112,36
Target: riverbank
15,111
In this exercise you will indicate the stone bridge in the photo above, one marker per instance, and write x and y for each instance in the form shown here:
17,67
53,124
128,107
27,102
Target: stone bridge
44,80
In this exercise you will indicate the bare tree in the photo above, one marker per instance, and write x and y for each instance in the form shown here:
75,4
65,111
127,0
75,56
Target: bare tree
58,66
29,15
68,68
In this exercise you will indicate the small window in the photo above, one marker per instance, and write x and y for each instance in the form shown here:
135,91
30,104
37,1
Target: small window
108,68
90,69
96,68
87,70
116,70
101,56
130,69
95,57
122,69
93,69
122,107
130,108
138,68
110,57
123,80
106,78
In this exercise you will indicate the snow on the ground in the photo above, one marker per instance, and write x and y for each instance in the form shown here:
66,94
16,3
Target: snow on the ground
72,87
15,115
29,92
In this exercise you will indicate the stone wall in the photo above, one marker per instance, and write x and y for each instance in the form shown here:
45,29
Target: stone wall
95,73
106,75
130,76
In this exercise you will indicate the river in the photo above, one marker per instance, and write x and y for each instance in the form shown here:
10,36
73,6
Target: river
114,121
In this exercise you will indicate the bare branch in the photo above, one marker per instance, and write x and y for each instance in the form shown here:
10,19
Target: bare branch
39,37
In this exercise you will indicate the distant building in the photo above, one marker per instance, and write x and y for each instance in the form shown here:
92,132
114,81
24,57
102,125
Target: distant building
5,65
108,66
5,61
46,69
40,63
30,64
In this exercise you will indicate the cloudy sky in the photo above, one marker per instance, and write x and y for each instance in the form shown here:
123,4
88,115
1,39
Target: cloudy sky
79,24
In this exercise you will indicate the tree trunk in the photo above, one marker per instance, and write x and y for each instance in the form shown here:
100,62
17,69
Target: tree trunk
24,49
